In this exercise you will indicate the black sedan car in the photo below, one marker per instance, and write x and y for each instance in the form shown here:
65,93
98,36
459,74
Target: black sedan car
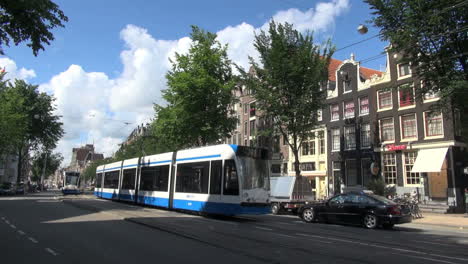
357,208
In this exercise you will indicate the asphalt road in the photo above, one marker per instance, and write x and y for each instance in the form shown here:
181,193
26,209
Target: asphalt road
45,228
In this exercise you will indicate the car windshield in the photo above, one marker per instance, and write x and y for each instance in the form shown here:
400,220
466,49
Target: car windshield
382,199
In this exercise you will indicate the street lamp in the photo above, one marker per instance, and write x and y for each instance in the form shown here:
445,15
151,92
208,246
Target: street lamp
362,29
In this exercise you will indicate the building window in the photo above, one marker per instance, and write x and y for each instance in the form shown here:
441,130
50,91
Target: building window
285,168
312,147
404,70
245,108
238,121
365,135
252,127
431,95
347,86
319,115
408,126
433,124
349,109
385,99
350,137
245,142
307,166
305,148
245,128
364,105
335,112
411,178
406,95
389,168
387,132
252,109
351,172
335,139
321,142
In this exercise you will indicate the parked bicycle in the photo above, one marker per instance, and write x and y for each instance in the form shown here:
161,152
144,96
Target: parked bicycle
412,202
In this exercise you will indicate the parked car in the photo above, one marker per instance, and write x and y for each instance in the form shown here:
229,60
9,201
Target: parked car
358,208
20,189
7,188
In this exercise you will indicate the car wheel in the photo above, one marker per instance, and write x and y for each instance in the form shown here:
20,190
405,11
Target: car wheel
388,226
275,208
370,221
308,215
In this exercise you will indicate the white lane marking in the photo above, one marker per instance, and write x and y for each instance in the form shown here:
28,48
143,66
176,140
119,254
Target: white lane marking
284,223
21,232
7,222
430,259
13,226
3,218
283,235
51,251
33,240
263,228
384,247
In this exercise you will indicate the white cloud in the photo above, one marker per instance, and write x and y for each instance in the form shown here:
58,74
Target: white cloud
95,107
12,71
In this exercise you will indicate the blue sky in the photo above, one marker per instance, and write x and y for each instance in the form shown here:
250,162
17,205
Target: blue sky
111,50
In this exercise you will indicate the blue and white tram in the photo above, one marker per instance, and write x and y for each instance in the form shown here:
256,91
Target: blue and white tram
71,180
222,179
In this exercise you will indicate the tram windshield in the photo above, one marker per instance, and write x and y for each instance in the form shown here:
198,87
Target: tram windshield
71,178
253,165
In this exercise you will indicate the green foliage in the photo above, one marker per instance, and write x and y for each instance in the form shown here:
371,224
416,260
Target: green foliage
377,186
89,174
27,120
200,89
50,161
33,20
13,121
288,84
432,35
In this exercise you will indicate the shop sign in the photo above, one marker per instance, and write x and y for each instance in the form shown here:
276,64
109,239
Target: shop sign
394,147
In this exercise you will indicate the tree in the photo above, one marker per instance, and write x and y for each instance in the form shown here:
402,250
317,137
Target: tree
200,87
22,20
432,35
12,120
50,161
89,173
37,126
288,85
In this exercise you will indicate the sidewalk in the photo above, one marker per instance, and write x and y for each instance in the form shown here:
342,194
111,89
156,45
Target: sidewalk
449,220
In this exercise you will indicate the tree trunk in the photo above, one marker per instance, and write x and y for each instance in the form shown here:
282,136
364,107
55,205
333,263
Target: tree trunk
20,165
296,163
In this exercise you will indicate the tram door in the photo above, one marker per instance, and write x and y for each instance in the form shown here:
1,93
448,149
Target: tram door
137,180
172,175
99,178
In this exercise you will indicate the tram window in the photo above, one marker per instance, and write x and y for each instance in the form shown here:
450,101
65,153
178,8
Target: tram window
216,174
111,180
193,177
128,180
155,178
98,180
231,181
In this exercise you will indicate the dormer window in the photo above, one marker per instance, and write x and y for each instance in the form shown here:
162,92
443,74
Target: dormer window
404,70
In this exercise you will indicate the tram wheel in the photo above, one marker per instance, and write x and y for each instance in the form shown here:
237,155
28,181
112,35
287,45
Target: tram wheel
275,208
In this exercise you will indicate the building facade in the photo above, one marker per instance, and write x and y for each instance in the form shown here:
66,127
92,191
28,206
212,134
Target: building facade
350,124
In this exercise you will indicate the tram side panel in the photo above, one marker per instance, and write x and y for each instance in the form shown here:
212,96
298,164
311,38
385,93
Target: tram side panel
127,187
153,186
98,185
111,176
